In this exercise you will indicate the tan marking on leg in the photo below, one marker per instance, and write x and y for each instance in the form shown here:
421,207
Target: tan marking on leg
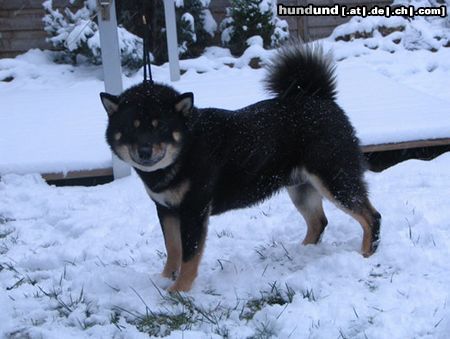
189,269
366,247
172,239
310,207
363,218
188,273
314,230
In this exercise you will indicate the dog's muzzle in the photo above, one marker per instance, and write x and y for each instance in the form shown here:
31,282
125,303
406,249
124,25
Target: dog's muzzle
148,155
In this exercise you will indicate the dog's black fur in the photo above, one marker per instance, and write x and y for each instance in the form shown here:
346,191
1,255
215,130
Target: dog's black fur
215,160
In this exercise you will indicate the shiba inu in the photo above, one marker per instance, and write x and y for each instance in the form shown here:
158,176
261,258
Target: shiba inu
195,162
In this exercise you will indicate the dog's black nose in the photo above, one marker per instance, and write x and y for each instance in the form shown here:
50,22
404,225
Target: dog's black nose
145,152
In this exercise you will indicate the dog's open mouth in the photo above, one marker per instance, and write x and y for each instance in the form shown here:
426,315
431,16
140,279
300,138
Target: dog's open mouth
149,158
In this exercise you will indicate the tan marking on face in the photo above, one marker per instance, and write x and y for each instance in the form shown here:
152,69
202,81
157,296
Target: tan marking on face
117,136
155,123
137,123
172,239
158,148
176,136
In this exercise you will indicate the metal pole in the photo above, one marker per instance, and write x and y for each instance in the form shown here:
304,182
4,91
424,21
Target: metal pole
172,41
112,69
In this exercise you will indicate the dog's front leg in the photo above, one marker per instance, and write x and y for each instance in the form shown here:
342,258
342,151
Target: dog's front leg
193,226
170,225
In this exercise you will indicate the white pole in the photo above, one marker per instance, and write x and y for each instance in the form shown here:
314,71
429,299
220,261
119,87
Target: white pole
112,70
172,41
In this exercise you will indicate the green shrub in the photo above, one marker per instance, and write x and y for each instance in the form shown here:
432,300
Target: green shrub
247,18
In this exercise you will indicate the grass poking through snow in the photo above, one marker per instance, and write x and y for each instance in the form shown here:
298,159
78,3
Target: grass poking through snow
182,312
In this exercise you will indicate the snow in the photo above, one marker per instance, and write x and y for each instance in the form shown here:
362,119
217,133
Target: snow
55,122
209,24
78,262
396,33
399,117
227,29
255,40
98,251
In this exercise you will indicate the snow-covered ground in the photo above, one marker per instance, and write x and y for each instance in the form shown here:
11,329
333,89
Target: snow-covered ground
84,262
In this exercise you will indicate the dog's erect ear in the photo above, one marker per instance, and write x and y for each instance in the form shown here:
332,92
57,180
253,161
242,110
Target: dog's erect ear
110,102
184,103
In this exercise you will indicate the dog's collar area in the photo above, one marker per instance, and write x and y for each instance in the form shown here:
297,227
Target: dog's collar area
160,179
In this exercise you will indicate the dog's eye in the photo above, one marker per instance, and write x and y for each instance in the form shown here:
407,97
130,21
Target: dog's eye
161,125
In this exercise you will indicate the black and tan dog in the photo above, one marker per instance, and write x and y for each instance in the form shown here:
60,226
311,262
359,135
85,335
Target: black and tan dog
200,162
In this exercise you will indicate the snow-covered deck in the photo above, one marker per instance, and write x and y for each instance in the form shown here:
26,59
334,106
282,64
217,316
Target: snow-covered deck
385,112
61,129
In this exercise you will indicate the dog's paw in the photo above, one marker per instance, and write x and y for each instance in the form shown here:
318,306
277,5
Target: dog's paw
179,287
373,248
169,274
160,281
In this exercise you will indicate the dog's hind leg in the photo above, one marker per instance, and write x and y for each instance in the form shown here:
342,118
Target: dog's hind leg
308,202
348,192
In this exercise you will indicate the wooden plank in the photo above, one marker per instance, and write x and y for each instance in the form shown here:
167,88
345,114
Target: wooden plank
27,35
219,4
22,11
366,149
405,145
18,4
323,21
21,23
79,174
320,32
12,45
7,54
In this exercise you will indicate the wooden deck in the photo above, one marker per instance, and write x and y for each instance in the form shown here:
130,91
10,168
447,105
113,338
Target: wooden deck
101,172
104,172
405,145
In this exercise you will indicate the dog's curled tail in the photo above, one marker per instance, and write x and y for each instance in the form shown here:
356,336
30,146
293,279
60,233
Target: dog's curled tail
299,69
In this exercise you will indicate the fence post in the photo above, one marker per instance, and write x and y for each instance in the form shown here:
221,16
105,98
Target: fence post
172,41
112,70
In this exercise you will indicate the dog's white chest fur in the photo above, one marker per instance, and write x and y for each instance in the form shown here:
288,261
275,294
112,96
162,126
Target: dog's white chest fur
171,197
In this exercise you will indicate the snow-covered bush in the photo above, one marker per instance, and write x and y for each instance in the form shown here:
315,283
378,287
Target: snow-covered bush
247,18
396,32
195,25
75,35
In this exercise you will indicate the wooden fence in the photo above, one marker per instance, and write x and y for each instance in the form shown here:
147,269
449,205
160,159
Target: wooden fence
21,26
316,27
